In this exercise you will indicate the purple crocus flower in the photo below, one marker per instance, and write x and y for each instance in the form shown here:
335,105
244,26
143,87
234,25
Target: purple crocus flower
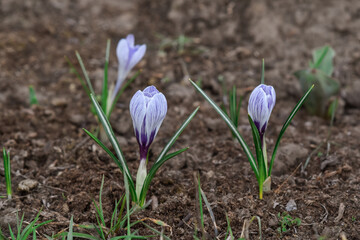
128,55
261,103
148,109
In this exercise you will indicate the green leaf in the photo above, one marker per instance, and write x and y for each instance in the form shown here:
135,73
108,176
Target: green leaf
259,152
105,90
73,69
152,173
109,132
286,124
207,204
325,87
70,233
7,171
176,135
163,157
32,96
232,128
85,73
323,59
118,163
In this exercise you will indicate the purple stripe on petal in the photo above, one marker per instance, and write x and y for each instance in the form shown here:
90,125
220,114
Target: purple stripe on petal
128,55
148,109
261,103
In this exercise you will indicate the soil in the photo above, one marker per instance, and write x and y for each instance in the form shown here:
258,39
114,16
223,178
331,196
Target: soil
228,39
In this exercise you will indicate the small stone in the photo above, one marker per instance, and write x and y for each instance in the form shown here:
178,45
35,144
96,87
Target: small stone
210,174
291,205
27,185
76,119
59,102
351,94
65,208
273,222
154,202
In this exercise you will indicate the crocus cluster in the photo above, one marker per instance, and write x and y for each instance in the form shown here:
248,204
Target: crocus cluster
261,103
148,109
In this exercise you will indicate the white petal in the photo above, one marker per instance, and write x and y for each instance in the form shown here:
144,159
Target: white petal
155,114
130,39
137,56
138,110
122,52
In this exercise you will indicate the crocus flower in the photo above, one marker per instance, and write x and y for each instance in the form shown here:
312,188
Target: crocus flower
148,109
261,103
128,55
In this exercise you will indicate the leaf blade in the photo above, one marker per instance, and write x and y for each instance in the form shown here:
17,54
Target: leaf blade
109,132
286,124
232,128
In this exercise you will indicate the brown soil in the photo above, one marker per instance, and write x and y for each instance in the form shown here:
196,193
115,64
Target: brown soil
229,38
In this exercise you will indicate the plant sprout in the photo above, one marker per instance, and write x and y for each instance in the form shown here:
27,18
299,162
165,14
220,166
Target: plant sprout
32,96
128,55
261,103
148,109
234,107
326,88
23,234
7,170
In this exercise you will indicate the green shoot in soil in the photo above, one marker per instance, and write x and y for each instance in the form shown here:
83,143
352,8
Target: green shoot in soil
286,222
32,96
234,107
258,165
107,101
319,73
23,234
120,160
7,171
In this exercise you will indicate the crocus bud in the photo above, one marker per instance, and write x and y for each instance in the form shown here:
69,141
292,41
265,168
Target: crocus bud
261,103
148,109
128,55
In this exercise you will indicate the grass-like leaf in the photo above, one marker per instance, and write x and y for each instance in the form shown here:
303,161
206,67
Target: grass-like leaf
212,216
109,132
163,157
323,59
176,135
152,173
105,90
32,96
85,72
71,226
118,163
286,124
232,128
7,171
259,152
73,69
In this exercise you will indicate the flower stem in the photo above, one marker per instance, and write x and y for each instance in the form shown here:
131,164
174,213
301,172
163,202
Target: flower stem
265,155
140,177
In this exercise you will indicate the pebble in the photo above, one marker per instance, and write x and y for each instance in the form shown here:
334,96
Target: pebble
291,205
27,185
59,102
